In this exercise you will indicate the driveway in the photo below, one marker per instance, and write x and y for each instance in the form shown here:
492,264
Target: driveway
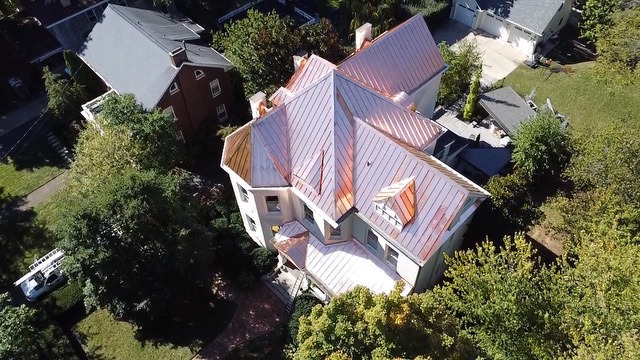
499,58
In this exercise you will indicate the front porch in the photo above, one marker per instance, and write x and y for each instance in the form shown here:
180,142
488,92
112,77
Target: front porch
336,268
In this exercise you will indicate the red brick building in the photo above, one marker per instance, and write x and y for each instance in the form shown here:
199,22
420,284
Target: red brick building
161,59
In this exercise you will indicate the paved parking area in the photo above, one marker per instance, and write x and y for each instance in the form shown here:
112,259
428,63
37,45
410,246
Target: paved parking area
499,58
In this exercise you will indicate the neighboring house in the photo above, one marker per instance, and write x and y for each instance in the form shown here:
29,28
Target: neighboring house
26,47
524,23
506,109
339,175
162,61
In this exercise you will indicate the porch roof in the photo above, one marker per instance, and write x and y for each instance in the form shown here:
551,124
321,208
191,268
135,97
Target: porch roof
337,267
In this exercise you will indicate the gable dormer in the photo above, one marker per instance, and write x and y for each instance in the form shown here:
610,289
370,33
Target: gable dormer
396,203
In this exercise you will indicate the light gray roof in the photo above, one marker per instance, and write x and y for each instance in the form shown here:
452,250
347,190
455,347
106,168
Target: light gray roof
507,108
534,15
129,48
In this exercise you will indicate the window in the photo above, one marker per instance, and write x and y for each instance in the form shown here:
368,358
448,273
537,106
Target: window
244,195
252,224
391,257
372,241
199,74
91,15
308,214
222,112
179,134
273,203
215,88
173,88
336,232
389,215
169,110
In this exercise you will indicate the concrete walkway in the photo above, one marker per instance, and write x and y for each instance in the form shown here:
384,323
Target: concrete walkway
43,192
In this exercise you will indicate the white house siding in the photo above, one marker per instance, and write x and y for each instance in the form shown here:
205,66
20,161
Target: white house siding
494,25
559,20
466,12
407,268
425,97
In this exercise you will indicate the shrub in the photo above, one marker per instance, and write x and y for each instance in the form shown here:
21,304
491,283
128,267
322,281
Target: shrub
463,61
263,260
302,307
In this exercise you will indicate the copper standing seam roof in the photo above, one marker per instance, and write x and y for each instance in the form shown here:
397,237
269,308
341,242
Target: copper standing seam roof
339,143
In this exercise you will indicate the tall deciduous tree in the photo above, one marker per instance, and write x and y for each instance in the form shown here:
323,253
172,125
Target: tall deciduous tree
596,17
361,325
18,337
541,146
322,39
132,242
381,14
65,96
464,60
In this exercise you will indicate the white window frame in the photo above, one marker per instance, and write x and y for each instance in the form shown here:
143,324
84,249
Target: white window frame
252,224
374,240
389,215
309,216
244,194
270,203
215,83
173,88
179,134
391,253
199,74
224,112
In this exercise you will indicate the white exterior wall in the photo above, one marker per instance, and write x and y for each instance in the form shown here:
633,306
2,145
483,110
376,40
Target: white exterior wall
407,268
425,97
434,268
559,20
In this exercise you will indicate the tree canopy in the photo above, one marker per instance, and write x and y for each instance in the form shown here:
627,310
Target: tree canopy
618,47
381,14
133,244
65,96
18,337
261,47
596,17
541,146
361,325
464,60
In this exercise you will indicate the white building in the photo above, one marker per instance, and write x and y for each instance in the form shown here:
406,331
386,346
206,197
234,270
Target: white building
524,23
339,176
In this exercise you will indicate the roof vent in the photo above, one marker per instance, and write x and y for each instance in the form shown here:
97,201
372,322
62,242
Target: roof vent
258,104
405,100
178,56
363,35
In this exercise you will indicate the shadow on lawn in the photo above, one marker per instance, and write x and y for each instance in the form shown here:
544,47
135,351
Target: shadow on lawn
204,319
36,154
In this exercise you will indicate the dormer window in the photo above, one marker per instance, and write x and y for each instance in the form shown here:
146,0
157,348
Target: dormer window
173,88
199,74
396,203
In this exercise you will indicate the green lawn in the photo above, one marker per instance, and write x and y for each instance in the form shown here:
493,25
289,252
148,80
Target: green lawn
579,96
105,337
36,165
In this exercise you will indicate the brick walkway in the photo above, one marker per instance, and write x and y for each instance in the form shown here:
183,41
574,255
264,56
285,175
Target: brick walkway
258,312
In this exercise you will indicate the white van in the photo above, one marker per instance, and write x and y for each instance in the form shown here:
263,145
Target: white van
45,275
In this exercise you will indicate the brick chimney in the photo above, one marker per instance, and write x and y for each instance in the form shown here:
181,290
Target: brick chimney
363,36
178,55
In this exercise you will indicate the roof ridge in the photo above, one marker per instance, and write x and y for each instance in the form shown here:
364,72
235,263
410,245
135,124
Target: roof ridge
136,25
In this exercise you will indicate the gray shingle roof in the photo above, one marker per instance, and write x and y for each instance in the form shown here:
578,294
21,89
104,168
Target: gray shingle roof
534,15
507,108
487,160
129,48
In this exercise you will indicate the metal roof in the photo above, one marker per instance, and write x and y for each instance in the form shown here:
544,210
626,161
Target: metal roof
338,267
402,59
129,48
487,160
507,108
534,15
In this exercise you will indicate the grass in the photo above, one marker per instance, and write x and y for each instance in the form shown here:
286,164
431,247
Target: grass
105,337
580,96
36,165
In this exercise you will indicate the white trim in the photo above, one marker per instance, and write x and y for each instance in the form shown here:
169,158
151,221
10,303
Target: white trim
226,114
217,82
200,75
174,88
50,53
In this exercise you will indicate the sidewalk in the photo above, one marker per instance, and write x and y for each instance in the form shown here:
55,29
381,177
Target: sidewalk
44,192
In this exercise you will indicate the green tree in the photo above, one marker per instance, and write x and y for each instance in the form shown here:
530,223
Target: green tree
226,130
133,244
323,40
464,60
472,99
65,97
619,48
541,146
596,17
381,14
18,337
606,157
507,301
82,74
361,325
260,46
511,199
